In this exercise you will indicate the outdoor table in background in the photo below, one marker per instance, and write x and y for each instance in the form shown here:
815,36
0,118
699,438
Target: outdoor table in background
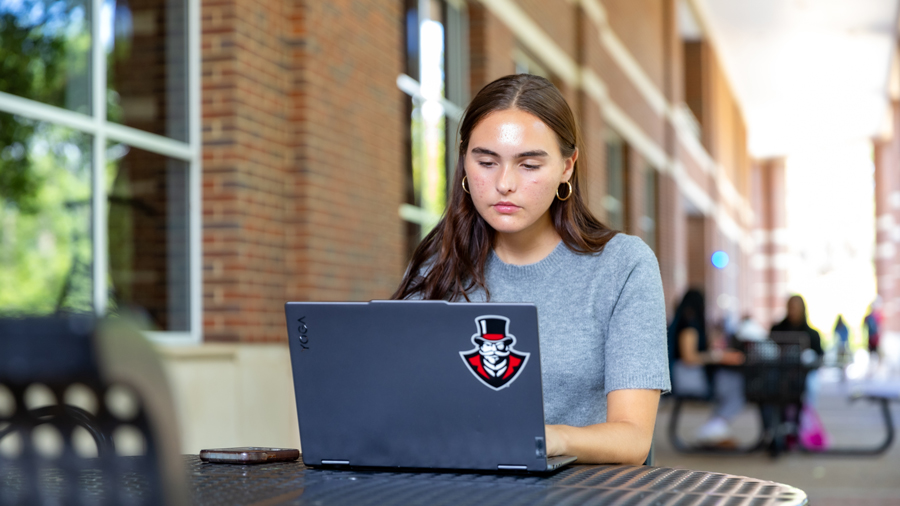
294,483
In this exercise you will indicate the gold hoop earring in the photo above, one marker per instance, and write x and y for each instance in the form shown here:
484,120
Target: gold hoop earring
464,185
567,194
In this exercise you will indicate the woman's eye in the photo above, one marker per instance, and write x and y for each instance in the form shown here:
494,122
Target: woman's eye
485,164
531,167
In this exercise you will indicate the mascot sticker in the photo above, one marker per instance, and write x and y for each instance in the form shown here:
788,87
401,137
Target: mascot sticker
494,361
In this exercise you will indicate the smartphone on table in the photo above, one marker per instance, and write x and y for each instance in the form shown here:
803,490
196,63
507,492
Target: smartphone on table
249,455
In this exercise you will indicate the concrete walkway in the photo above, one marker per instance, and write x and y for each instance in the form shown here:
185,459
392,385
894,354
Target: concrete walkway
827,480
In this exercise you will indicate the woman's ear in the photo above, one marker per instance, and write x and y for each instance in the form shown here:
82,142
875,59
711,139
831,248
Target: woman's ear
569,166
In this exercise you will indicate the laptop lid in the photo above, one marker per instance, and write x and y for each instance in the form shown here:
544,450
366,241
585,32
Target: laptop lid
413,384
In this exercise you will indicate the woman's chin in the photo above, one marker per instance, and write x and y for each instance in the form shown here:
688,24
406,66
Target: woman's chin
507,226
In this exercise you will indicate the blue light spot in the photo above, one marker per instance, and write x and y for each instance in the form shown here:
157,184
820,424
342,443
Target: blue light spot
720,259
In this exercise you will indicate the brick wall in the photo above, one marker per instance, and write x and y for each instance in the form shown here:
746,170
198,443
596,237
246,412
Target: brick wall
302,158
347,240
491,45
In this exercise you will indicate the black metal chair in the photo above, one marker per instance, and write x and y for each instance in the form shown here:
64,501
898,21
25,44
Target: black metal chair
124,402
775,379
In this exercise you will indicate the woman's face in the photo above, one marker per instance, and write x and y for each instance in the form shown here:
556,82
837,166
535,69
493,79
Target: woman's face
513,168
795,311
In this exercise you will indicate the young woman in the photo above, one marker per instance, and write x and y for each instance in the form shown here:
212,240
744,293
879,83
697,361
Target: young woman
517,229
694,357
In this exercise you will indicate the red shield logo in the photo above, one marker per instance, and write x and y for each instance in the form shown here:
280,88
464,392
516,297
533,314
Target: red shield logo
494,361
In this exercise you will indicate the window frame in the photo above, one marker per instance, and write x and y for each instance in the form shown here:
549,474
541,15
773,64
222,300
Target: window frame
103,130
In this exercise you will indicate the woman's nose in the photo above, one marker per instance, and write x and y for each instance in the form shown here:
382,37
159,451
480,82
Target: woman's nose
506,180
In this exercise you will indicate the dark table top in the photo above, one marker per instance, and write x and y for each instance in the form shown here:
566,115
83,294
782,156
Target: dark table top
294,483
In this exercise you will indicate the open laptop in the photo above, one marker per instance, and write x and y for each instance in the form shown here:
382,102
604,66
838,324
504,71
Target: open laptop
419,384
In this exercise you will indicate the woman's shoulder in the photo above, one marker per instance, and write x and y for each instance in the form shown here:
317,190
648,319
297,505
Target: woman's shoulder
619,260
625,249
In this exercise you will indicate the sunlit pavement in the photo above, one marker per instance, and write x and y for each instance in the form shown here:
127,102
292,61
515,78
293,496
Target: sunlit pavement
827,480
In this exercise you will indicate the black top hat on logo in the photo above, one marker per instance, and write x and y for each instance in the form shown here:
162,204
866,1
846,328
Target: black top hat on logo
493,328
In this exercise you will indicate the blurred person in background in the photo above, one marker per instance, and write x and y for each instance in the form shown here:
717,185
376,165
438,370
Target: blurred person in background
517,229
695,359
872,325
796,321
842,339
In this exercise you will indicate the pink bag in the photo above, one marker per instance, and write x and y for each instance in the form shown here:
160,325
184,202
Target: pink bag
812,433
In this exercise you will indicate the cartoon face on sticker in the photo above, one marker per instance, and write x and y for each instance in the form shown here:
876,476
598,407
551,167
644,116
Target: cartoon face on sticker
494,361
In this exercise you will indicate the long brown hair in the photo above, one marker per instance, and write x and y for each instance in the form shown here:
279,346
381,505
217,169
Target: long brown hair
454,253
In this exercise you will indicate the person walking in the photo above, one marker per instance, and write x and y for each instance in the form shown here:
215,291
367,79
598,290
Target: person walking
842,340
872,325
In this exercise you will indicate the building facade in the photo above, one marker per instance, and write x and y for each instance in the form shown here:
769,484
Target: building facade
242,154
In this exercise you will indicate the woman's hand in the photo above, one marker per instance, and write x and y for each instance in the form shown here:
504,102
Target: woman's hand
731,357
555,442
623,439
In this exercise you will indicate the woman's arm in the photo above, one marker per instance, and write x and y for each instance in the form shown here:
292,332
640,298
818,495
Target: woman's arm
625,437
687,348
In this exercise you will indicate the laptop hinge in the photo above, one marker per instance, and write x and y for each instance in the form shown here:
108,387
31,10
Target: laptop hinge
512,468
335,462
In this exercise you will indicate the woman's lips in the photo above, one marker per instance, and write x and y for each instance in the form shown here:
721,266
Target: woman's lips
506,207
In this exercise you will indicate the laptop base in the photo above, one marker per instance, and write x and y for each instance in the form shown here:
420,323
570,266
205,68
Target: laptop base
553,464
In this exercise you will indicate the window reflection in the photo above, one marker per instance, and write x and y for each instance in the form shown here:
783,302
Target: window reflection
148,238
45,48
616,170
146,47
45,218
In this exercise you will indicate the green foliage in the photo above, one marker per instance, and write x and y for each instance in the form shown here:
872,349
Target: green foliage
46,254
41,54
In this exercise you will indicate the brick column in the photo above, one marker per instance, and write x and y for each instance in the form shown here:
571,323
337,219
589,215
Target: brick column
491,47
245,169
769,259
887,237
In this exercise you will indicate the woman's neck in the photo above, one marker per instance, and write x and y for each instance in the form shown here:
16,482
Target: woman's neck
527,246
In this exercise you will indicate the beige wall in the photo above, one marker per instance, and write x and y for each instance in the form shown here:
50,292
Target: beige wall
232,395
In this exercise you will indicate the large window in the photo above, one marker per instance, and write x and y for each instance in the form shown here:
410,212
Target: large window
99,161
436,80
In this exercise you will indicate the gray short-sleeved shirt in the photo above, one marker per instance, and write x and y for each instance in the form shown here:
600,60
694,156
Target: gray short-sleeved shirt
602,323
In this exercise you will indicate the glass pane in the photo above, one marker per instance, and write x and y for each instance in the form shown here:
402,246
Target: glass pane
45,218
148,238
45,48
428,126
146,47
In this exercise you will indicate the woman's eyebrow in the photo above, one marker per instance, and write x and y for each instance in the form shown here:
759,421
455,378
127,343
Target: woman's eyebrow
532,154
527,154
483,151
